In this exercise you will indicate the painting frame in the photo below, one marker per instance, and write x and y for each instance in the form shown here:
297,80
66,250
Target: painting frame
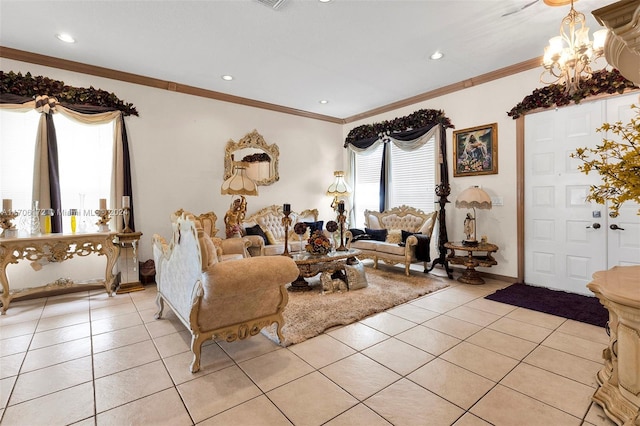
475,151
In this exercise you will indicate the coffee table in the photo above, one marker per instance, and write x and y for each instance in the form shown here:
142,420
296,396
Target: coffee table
311,265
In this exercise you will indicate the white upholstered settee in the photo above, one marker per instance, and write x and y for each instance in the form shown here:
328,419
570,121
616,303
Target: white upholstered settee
269,222
404,235
227,300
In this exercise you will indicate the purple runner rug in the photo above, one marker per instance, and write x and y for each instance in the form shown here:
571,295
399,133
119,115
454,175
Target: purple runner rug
555,302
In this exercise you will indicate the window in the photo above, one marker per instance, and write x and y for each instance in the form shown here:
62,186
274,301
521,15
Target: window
411,179
366,193
85,155
17,150
85,159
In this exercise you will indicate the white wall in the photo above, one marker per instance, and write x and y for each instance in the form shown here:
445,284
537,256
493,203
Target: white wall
177,148
478,105
177,152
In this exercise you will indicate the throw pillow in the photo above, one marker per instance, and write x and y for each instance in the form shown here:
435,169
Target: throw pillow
406,234
270,237
377,234
362,236
355,232
394,236
256,230
314,226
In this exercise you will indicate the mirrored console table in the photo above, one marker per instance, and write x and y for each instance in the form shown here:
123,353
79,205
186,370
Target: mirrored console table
55,248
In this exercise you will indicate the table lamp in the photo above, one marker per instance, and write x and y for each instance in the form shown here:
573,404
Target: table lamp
472,198
339,188
238,184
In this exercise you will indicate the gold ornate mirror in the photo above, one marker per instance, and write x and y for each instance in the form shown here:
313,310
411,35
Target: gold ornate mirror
262,159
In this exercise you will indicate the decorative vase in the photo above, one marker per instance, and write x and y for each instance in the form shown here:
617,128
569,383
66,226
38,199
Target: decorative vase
35,219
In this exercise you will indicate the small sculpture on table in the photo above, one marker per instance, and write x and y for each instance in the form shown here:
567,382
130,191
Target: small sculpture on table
6,216
234,216
103,214
470,231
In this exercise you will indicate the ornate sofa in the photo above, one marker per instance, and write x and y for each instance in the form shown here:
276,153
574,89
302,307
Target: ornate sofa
390,227
269,221
227,300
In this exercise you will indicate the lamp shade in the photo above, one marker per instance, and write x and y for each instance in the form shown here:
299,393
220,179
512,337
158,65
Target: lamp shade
239,183
339,187
473,197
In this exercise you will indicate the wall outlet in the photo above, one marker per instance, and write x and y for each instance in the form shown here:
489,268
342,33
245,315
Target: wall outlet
497,201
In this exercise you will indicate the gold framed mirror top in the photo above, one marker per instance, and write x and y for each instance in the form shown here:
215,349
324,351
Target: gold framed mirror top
262,158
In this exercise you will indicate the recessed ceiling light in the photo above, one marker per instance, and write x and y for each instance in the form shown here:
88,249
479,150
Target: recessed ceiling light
66,38
324,101
324,1
436,55
227,77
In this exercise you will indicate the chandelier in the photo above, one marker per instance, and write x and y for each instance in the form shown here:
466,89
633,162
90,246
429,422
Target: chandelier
569,56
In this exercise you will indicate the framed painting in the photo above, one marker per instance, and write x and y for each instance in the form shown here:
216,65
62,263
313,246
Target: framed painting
475,151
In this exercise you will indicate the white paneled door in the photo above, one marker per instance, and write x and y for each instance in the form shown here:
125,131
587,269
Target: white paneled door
566,238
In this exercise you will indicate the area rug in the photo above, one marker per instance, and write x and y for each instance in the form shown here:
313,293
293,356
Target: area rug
310,313
573,306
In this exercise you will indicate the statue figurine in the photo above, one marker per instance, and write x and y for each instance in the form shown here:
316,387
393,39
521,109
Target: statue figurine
469,228
234,216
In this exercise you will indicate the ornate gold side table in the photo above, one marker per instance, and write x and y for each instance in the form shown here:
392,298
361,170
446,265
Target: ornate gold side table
54,248
471,260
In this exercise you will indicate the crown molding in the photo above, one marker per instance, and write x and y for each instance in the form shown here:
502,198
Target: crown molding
53,62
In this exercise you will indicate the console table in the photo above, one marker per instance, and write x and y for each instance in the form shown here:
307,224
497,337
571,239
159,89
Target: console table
471,260
54,248
619,392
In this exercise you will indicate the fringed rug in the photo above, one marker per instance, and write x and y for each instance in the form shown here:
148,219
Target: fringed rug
310,313
555,302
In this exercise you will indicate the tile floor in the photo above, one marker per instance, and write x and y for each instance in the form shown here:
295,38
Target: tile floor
449,358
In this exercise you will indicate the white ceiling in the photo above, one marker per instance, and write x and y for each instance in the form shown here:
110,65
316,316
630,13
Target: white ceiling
357,54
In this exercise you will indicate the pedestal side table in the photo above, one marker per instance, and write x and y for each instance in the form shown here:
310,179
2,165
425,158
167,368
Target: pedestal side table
472,259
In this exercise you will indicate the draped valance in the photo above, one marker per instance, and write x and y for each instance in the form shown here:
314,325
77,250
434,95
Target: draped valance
407,128
18,89
88,106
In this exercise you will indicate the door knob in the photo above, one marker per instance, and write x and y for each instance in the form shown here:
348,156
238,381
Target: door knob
595,226
614,227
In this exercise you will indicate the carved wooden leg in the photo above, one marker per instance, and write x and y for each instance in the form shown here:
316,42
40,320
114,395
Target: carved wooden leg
196,347
160,303
375,262
279,333
406,268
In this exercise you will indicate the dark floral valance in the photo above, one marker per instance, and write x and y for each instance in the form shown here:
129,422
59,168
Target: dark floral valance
410,126
602,81
15,87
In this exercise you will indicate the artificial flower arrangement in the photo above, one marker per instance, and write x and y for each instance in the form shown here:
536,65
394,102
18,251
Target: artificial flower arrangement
318,243
617,162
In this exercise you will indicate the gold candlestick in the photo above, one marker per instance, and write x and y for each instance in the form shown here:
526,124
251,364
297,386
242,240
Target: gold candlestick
126,212
341,219
286,221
